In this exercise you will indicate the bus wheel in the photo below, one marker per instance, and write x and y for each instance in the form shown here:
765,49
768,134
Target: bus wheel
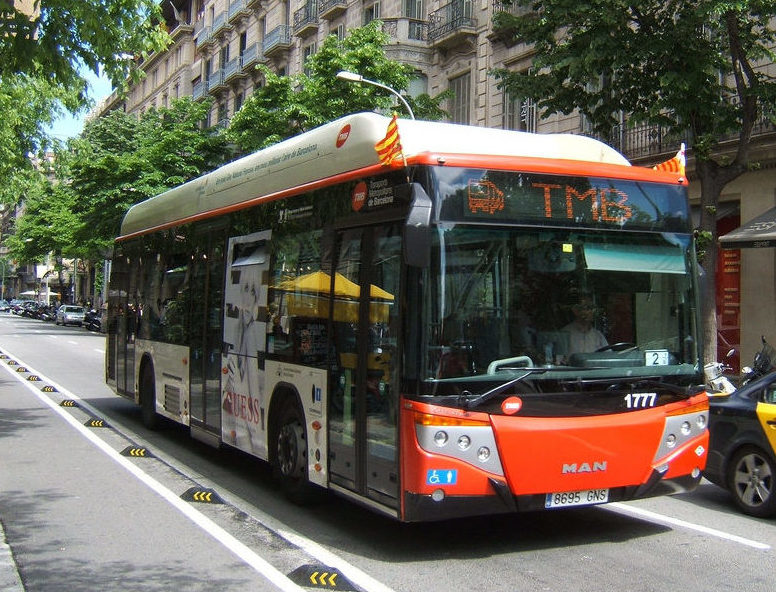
148,398
290,457
751,475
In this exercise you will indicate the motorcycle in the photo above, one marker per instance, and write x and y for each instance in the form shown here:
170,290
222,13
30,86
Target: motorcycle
718,373
93,321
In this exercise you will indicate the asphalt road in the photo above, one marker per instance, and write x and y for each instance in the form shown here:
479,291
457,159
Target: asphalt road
91,500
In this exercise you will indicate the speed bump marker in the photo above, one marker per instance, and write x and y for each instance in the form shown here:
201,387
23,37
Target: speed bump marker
13,363
320,576
22,369
33,378
66,402
96,422
136,452
49,389
204,496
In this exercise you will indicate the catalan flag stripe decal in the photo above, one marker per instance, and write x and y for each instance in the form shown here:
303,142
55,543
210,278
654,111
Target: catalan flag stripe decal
389,147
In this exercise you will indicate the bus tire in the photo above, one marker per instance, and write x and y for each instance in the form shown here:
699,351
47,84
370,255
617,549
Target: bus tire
148,398
289,456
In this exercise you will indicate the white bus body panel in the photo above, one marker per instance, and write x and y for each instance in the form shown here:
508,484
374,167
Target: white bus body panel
171,371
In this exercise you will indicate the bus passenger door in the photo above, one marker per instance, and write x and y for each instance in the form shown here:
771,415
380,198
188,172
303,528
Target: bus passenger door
363,381
206,339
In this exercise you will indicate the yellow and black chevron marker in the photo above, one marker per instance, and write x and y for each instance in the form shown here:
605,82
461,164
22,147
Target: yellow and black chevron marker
96,422
137,452
22,369
66,402
320,576
50,389
33,378
13,363
201,495
3,357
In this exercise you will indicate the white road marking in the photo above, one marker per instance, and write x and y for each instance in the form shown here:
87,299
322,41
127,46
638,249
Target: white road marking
624,508
244,552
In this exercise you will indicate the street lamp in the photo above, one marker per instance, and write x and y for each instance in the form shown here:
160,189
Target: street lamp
353,77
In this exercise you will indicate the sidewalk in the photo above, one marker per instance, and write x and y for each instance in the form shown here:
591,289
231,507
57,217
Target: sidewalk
9,576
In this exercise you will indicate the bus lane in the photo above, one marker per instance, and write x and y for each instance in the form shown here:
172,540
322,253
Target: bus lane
694,540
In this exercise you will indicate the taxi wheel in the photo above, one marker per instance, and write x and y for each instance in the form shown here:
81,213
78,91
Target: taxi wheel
751,475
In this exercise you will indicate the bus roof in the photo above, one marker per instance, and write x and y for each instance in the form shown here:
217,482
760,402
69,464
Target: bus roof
341,147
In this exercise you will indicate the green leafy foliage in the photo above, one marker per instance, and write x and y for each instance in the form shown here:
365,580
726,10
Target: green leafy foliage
43,58
690,67
118,160
289,105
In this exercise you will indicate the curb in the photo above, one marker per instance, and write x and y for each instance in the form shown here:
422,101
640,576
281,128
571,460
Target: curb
9,574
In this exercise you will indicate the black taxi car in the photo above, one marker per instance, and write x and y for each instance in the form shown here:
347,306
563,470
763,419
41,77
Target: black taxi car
742,446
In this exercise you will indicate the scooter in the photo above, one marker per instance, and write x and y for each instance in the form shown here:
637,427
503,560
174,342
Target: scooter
718,373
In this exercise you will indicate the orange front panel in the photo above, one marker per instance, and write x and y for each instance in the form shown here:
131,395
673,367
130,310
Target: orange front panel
541,455
417,463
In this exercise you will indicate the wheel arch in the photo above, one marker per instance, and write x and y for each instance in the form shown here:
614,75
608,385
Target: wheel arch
284,394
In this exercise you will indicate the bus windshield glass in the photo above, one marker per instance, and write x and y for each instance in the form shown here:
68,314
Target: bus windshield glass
575,301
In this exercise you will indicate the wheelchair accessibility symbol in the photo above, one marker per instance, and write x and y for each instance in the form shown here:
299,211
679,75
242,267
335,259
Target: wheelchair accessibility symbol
441,476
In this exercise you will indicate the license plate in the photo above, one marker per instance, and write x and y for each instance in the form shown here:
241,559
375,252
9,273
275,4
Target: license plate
576,498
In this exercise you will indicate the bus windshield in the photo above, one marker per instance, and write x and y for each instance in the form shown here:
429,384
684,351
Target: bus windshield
574,302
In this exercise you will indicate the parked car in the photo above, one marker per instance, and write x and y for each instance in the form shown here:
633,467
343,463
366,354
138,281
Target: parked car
68,314
5,306
742,446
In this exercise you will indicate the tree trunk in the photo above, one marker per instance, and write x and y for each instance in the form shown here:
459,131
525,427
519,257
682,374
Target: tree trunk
710,192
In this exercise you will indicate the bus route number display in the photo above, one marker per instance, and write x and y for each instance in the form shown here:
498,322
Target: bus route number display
507,196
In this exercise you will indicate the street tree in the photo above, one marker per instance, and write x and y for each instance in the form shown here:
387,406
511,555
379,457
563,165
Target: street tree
120,160
117,161
289,105
47,46
690,67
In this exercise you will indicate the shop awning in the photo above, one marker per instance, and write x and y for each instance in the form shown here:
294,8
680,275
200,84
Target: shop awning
758,232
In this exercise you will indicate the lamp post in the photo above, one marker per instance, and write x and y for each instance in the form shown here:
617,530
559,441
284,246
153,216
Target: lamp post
353,77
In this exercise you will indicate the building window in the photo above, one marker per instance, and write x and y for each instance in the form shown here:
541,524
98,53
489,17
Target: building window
413,9
223,116
340,32
307,52
459,107
371,13
519,113
238,101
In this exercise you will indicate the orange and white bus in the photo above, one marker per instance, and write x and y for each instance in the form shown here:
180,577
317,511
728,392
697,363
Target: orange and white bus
493,322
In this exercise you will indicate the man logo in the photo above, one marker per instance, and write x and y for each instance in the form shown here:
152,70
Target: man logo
595,467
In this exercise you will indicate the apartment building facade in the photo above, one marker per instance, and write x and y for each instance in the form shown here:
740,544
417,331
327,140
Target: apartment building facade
451,44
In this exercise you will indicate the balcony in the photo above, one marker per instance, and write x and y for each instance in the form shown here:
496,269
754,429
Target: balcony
306,20
221,25
452,24
331,9
215,81
232,69
238,9
204,37
253,4
250,57
198,90
277,41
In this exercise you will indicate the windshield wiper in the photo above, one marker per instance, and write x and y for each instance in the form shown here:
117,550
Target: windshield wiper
480,399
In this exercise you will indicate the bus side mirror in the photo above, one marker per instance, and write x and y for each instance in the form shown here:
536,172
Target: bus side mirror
417,235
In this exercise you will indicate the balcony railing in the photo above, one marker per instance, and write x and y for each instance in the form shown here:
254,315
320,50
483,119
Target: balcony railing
251,56
203,36
232,68
215,80
279,39
306,19
238,8
220,24
451,20
198,90
331,9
